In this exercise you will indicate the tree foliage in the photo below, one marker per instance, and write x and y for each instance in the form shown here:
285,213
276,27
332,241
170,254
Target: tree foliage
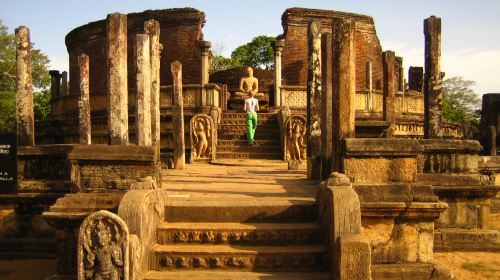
40,80
460,102
257,53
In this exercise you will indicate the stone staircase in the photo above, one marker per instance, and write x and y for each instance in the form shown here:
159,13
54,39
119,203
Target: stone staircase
278,239
239,227
232,142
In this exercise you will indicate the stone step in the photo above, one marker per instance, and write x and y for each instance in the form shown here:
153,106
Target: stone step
408,271
263,116
265,142
243,130
258,136
234,275
249,149
284,210
248,155
241,258
239,233
242,125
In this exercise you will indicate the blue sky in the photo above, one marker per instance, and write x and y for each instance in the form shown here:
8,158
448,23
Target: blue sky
470,38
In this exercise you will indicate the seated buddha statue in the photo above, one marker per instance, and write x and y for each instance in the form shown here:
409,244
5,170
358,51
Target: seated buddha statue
248,84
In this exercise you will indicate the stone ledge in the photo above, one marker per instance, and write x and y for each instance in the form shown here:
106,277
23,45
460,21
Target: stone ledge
91,152
450,146
376,147
412,210
410,271
394,192
446,240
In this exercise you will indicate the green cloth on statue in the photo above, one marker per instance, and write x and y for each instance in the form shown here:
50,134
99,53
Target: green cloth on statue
251,123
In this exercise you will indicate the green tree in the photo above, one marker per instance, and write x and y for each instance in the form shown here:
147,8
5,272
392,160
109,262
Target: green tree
460,102
257,53
40,79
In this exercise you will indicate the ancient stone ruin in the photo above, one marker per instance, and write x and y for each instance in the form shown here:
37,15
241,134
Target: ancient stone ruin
377,180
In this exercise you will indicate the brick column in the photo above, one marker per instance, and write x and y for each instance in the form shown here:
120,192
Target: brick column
388,59
432,79
24,93
344,86
116,29
143,95
85,124
326,105
205,50
278,47
152,28
314,101
178,116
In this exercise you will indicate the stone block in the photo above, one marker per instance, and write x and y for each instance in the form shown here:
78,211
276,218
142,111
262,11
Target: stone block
395,192
399,241
380,170
354,258
142,210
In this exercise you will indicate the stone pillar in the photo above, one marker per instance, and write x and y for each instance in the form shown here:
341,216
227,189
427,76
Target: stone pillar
344,86
314,102
432,79
205,50
152,28
369,85
326,105
388,59
24,94
278,47
143,95
64,83
178,116
85,124
55,83
116,29
401,74
415,78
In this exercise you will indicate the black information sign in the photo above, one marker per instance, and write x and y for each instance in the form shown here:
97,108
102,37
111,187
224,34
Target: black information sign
8,163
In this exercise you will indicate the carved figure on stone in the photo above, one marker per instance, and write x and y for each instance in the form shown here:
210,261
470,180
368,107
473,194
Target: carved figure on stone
248,84
295,138
103,248
202,137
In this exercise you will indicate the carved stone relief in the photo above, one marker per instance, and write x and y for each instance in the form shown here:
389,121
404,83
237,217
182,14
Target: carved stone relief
296,98
203,137
295,138
103,248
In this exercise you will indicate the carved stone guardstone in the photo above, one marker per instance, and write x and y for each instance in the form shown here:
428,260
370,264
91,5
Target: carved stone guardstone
103,246
203,138
295,138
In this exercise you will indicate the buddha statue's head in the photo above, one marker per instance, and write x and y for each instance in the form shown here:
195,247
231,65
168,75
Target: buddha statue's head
249,72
